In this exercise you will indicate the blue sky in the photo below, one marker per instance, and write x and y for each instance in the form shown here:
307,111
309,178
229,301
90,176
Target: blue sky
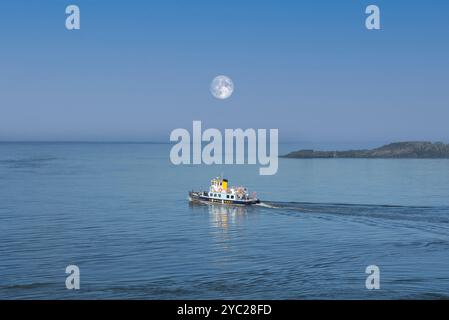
139,69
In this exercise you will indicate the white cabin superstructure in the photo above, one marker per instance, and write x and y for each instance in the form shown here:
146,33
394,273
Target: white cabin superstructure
219,190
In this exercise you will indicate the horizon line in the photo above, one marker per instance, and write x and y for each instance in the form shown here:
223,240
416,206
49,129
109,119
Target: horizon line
172,142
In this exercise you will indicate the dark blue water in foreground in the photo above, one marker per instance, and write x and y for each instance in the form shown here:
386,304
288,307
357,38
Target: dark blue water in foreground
120,212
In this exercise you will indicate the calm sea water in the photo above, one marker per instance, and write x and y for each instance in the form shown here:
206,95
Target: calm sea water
120,212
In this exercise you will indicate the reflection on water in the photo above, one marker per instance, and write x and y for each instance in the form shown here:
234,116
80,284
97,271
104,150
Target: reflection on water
223,221
223,216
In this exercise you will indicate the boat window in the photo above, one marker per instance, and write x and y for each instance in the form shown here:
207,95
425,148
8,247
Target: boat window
219,195
232,197
227,196
210,194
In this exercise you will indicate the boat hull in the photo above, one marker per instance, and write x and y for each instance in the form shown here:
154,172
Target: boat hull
200,197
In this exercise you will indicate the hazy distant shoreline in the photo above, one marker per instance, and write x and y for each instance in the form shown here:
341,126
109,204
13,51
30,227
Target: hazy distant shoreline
396,150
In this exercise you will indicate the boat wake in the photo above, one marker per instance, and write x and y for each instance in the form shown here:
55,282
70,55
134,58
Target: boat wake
266,205
434,218
438,214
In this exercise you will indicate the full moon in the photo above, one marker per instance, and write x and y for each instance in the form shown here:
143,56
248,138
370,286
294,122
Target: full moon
222,87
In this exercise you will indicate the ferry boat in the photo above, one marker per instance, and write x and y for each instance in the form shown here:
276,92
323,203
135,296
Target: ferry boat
220,193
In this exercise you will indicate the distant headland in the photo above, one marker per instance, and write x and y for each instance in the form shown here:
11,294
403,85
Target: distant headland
396,150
